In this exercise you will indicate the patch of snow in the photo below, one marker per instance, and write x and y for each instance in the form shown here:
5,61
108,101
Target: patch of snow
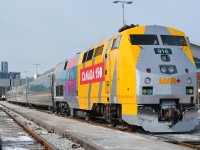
20,138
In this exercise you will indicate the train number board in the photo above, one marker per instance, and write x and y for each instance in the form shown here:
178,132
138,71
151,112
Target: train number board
163,51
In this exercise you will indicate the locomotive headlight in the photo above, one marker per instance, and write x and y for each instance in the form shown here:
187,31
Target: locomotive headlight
189,81
147,90
168,69
189,90
171,69
147,80
165,58
163,69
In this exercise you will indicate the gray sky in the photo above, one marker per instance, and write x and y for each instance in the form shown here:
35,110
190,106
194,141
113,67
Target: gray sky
47,32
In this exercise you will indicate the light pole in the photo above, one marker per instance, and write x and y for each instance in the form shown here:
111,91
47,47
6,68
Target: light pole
26,75
36,67
123,2
10,81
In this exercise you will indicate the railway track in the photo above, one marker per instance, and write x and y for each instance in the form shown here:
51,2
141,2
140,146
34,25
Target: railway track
191,140
13,136
48,139
14,128
194,144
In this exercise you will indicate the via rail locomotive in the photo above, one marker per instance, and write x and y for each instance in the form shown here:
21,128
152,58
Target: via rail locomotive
143,76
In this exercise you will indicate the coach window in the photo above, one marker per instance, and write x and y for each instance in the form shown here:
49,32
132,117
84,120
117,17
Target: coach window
34,89
38,88
65,65
84,57
42,88
98,50
90,54
57,90
116,42
61,90
73,72
67,75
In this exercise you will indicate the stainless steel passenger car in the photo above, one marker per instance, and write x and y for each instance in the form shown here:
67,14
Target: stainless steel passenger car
21,96
40,91
11,96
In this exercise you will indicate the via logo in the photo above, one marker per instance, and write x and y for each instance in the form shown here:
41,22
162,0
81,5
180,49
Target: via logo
169,81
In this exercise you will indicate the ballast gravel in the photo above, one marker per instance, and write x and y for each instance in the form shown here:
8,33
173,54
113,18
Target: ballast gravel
55,140
14,137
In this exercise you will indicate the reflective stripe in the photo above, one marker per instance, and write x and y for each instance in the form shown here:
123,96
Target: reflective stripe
104,59
114,83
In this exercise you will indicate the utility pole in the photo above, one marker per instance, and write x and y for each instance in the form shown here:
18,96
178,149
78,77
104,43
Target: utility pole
123,2
26,76
36,65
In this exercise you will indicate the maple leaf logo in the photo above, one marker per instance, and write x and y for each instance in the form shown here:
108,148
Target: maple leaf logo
178,81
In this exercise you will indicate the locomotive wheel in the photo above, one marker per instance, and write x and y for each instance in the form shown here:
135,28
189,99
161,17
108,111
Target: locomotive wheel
87,118
113,122
131,127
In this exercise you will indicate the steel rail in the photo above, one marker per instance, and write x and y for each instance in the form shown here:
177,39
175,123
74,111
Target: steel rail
187,144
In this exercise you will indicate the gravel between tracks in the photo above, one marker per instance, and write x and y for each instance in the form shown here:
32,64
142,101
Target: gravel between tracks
56,140
12,136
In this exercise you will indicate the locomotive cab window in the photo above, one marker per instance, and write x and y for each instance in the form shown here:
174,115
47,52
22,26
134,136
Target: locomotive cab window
85,57
173,40
141,39
65,65
98,51
90,54
116,42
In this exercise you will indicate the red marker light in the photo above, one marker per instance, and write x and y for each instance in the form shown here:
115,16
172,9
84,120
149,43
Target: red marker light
187,70
148,70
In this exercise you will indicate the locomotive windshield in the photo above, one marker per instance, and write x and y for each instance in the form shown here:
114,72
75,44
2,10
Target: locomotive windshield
173,40
141,39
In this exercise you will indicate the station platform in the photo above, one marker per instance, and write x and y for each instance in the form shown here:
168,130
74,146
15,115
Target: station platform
91,136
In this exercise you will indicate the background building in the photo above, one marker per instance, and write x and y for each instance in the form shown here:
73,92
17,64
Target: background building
9,79
196,54
195,47
4,66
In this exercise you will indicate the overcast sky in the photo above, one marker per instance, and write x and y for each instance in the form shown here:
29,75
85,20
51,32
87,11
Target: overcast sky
47,32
